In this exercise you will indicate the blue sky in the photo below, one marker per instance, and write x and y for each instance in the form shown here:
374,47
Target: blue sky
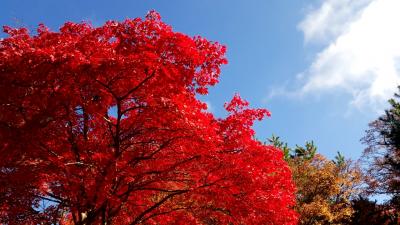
323,68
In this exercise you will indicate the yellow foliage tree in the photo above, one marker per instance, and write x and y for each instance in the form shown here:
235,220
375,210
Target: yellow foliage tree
324,187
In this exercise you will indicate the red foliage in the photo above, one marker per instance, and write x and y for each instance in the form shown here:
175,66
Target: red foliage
102,125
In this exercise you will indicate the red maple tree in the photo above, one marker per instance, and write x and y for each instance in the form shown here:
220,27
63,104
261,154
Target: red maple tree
102,126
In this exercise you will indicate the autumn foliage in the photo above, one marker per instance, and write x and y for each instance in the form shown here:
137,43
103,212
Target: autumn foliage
325,188
102,126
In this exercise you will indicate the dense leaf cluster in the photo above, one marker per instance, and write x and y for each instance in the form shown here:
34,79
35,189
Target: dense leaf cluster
102,126
325,188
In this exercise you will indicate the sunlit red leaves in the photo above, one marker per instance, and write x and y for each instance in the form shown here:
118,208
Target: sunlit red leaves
107,121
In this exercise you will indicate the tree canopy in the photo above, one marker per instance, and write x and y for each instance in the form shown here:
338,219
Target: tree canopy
325,188
383,153
101,125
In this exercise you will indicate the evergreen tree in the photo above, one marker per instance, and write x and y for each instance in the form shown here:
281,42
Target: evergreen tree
383,152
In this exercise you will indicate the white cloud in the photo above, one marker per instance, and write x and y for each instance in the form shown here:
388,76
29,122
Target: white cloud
330,19
362,55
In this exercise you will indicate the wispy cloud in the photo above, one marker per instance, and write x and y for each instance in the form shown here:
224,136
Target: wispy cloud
361,56
330,19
